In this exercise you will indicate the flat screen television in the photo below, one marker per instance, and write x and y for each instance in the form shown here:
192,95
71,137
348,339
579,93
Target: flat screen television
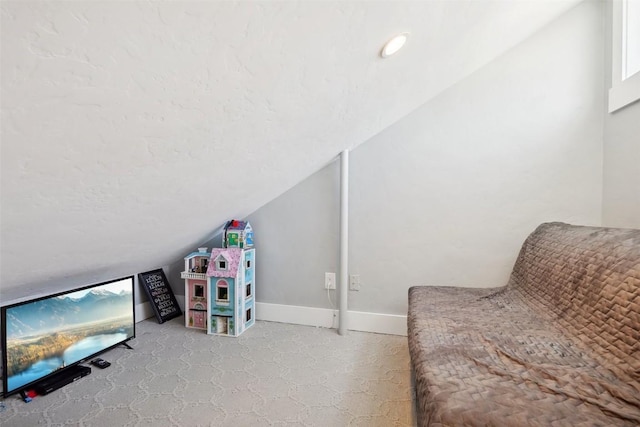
42,336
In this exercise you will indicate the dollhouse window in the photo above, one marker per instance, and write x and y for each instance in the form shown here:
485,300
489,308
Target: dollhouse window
222,265
248,264
198,291
222,290
248,290
248,318
233,239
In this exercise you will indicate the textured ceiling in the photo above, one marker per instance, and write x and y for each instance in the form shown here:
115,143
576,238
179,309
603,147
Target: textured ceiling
132,130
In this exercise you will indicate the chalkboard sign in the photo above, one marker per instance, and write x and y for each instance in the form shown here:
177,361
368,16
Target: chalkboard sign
160,295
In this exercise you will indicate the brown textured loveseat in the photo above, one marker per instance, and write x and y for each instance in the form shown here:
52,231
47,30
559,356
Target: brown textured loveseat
558,346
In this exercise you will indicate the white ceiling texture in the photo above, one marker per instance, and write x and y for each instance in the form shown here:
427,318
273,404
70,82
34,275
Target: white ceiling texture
132,130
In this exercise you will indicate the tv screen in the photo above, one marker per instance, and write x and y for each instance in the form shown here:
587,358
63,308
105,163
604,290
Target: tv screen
42,336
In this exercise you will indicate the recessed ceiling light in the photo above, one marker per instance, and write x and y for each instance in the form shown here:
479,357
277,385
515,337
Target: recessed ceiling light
394,45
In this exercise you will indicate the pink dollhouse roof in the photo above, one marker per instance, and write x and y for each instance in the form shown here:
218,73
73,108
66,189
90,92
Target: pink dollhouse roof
233,257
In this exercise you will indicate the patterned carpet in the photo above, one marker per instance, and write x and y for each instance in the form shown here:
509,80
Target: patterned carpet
273,375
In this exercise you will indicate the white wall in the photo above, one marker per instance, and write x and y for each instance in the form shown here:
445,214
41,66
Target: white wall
296,238
131,129
447,194
621,180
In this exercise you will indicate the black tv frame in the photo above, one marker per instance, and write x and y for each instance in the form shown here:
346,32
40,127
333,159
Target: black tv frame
3,343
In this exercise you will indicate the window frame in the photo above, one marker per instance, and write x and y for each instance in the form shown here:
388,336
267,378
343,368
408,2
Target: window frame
222,263
220,284
624,91
197,286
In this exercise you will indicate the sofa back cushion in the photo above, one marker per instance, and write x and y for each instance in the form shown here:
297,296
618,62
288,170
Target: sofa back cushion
588,280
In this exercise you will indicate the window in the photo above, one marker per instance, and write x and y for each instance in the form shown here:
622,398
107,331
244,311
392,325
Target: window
248,318
625,55
631,38
222,290
233,240
221,263
248,290
198,291
248,264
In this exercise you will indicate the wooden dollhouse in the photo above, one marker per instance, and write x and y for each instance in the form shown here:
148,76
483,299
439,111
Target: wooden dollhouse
231,278
219,286
195,289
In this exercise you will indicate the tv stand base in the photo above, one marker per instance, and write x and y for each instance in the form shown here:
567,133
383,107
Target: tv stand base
61,379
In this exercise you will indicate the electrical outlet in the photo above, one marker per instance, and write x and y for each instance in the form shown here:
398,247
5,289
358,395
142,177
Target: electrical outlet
354,282
329,280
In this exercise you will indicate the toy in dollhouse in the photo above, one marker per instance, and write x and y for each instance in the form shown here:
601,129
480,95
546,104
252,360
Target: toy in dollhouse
195,288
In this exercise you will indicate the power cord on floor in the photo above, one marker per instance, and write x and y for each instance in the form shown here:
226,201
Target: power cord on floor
333,310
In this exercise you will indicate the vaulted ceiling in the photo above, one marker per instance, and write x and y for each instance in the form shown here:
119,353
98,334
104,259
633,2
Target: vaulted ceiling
132,130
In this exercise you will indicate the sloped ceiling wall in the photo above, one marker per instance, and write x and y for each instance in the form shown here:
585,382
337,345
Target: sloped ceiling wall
132,130
447,195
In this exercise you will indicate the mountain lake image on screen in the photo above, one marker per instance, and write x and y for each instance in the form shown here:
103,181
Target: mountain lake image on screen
44,336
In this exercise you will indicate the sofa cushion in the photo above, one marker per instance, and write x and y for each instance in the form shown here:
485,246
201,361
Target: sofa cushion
588,280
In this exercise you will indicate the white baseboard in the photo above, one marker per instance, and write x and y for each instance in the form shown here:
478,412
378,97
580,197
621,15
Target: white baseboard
297,315
379,323
391,324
